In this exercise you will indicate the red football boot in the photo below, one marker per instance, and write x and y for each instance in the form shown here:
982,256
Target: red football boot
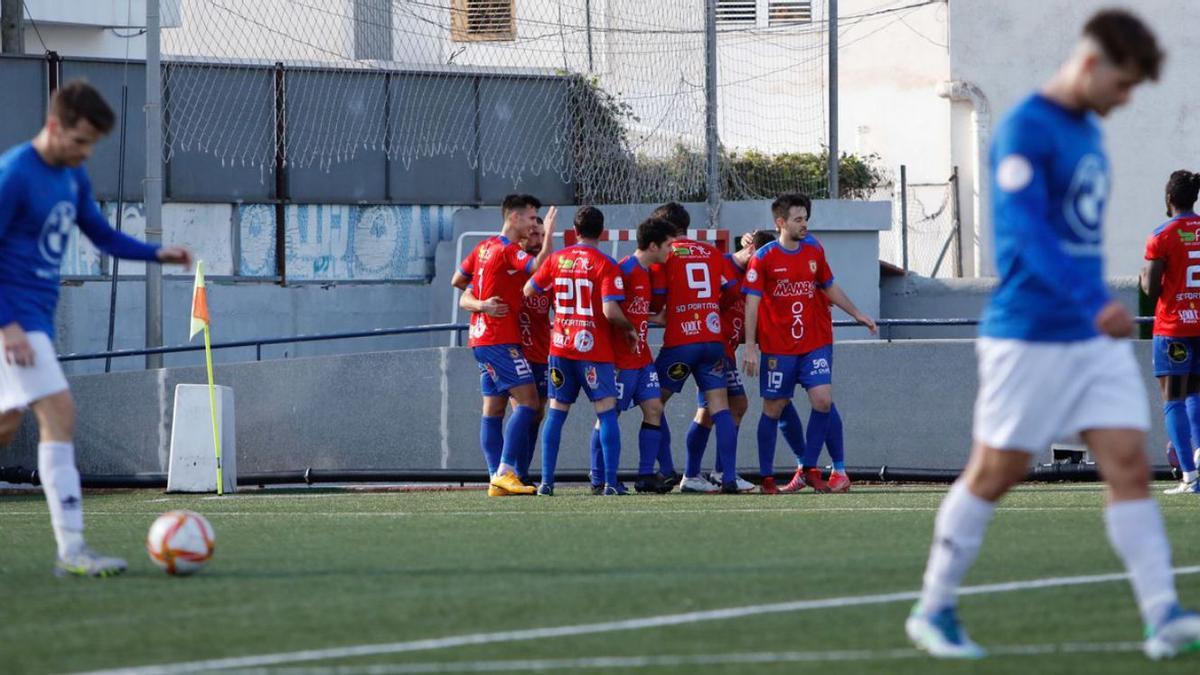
839,482
812,476
768,486
796,484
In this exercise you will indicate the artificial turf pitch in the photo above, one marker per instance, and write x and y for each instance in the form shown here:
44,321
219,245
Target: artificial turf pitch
316,570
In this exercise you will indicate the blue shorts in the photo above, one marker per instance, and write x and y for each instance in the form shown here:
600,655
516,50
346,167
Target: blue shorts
635,387
502,367
733,383
567,376
1176,355
780,373
705,361
541,378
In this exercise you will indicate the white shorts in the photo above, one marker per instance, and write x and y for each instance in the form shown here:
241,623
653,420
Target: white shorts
1032,394
20,385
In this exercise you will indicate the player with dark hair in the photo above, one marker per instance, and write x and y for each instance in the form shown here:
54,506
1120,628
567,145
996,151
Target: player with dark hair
495,270
1171,278
44,194
789,287
534,320
637,378
1052,359
588,290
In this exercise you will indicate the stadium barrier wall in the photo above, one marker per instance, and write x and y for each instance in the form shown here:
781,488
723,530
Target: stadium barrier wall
905,404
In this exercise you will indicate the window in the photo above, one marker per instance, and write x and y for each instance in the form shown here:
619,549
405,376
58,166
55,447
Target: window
763,13
789,12
737,12
482,20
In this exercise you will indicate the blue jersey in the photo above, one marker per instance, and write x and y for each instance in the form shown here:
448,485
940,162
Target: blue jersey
1050,182
39,204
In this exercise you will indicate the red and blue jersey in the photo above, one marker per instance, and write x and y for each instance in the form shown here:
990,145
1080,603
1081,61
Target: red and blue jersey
534,320
690,283
1176,243
637,309
733,309
497,267
582,279
793,316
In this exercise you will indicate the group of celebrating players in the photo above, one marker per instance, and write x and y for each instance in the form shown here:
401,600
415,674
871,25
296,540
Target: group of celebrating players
546,324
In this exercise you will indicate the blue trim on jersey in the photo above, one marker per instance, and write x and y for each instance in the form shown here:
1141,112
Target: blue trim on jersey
529,265
535,286
612,298
464,272
827,284
1158,230
659,291
751,291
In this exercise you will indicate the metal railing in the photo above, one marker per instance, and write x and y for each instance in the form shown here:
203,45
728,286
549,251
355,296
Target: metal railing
885,333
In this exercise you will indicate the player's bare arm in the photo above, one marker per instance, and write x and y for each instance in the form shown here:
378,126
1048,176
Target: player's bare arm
1150,278
839,298
548,225
17,349
175,255
1114,320
750,353
460,281
493,306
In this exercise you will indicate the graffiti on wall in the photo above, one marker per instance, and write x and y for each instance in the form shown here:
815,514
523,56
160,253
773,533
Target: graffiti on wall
339,242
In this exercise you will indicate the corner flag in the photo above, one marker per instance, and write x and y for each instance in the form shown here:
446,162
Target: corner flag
200,323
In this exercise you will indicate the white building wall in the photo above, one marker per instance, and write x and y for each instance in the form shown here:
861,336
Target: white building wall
1009,48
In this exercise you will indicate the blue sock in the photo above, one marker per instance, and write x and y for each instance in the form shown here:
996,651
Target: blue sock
768,431
697,441
526,458
597,472
726,444
834,440
551,438
793,431
1193,413
649,440
610,442
1179,431
666,463
516,435
491,439
818,427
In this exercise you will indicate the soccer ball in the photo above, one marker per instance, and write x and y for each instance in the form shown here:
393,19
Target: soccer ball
180,542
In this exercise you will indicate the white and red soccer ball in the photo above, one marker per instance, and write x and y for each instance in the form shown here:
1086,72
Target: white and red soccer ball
180,542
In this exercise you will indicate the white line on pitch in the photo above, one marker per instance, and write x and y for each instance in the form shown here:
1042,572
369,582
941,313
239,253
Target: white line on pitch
602,627
676,661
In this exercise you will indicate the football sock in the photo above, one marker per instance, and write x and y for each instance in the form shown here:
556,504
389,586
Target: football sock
1179,431
818,427
793,431
516,435
696,441
597,471
64,496
1135,529
768,431
551,438
958,533
526,459
649,439
1193,412
610,443
666,462
726,444
491,439
834,440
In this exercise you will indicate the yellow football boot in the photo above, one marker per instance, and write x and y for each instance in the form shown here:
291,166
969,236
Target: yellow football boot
508,485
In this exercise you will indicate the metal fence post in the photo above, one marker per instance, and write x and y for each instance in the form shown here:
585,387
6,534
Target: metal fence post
712,141
834,190
152,189
904,217
958,261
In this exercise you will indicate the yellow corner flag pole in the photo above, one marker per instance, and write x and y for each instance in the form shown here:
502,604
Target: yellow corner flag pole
200,321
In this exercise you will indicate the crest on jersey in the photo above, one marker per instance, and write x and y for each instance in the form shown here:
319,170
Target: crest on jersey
773,363
619,283
521,255
589,376
752,276
478,327
1086,197
556,377
584,341
713,322
56,231
1177,352
812,266
512,351
678,371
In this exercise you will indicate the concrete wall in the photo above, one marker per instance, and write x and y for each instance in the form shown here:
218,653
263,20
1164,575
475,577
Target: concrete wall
905,404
